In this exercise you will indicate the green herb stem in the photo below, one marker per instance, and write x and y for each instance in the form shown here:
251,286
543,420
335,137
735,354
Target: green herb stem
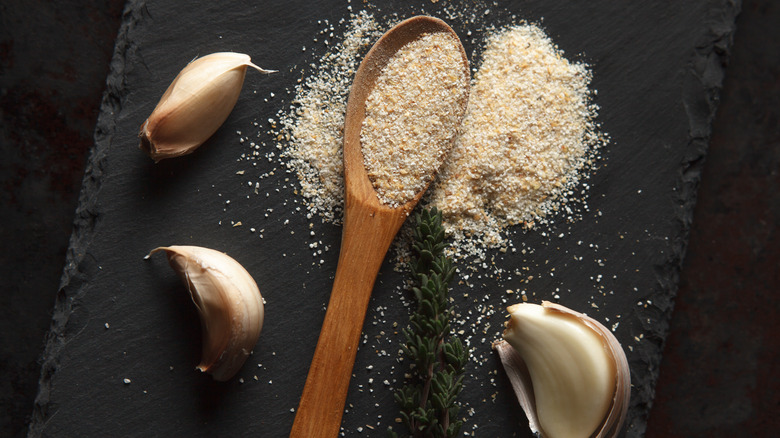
428,400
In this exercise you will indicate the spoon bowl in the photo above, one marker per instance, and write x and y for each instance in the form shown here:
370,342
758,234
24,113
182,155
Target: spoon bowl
369,228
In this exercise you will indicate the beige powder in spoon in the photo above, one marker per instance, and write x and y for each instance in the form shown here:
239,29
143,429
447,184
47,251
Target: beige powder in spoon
412,115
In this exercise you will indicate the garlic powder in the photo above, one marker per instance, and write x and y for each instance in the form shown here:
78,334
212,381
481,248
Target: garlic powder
412,115
525,135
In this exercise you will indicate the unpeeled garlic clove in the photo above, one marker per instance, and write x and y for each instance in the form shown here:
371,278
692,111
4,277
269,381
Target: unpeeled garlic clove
229,305
195,105
569,372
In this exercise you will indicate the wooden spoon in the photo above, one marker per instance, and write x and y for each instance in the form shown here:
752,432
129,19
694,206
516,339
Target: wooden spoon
369,229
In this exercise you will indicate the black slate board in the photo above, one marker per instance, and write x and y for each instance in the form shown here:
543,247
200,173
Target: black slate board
657,69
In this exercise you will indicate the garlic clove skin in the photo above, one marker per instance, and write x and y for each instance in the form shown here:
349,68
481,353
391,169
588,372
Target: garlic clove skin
569,372
229,305
195,105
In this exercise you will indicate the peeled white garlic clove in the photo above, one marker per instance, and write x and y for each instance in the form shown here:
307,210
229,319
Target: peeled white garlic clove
569,372
195,105
229,305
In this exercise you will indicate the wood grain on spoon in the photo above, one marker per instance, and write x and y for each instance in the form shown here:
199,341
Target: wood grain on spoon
369,228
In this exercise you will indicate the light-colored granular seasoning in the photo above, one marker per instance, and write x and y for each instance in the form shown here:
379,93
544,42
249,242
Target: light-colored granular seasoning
528,137
526,133
314,126
412,114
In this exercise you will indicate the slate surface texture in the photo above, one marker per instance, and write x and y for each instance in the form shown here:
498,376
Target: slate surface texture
658,70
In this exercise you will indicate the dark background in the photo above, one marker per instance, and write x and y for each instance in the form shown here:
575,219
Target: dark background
719,375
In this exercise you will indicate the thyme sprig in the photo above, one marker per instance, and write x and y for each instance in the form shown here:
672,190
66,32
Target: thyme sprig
428,400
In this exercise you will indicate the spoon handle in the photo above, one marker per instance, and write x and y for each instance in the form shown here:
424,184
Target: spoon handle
368,232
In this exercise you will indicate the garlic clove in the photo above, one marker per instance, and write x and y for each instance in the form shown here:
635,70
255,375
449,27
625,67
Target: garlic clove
229,305
195,105
568,371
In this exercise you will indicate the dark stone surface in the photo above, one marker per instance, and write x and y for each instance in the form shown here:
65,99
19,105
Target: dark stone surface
695,393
